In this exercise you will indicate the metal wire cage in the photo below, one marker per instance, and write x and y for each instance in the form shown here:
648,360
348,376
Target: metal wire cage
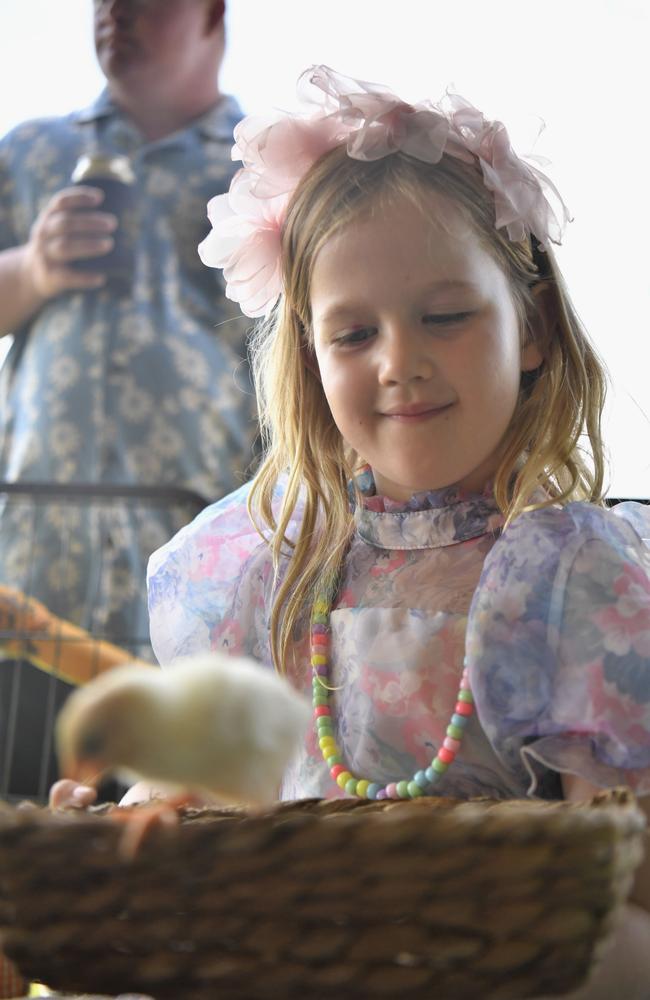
72,604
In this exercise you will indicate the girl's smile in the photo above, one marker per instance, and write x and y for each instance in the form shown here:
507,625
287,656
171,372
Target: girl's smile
415,412
417,340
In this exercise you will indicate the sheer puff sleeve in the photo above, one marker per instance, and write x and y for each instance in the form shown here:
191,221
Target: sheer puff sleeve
208,586
558,645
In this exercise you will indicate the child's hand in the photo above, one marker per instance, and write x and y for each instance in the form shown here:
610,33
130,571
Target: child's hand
67,794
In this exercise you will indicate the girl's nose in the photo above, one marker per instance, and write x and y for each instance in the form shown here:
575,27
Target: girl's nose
404,356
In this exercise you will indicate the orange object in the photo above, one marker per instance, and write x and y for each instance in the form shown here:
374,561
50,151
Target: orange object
141,819
12,983
29,631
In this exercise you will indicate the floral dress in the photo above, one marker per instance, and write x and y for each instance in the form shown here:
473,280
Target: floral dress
552,616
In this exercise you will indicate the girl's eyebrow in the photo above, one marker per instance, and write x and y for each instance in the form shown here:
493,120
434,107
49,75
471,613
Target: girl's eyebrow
340,310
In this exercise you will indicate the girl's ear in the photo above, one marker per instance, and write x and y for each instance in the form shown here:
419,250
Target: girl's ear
539,327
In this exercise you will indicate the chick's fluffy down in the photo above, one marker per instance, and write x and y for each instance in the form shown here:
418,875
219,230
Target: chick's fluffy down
213,723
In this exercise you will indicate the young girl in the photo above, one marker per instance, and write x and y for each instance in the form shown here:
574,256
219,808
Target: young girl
426,542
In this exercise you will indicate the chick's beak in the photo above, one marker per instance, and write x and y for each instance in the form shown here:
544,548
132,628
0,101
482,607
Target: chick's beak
84,772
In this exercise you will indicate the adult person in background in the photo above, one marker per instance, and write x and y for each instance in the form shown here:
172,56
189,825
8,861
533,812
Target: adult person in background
144,385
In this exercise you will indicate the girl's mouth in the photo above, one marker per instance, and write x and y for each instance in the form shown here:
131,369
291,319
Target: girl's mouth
415,412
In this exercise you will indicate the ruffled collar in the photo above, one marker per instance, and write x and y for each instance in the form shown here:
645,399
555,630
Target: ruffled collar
430,519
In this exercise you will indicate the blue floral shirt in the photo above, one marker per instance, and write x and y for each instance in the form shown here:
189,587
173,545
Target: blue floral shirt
147,388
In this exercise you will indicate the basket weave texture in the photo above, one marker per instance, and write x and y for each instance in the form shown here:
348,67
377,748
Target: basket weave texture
432,898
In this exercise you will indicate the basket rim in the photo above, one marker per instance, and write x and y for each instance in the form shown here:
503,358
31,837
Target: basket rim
612,807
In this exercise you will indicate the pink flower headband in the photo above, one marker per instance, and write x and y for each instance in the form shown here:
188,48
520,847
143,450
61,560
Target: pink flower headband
372,122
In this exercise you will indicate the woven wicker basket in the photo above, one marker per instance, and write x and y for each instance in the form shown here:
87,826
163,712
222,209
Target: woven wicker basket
426,899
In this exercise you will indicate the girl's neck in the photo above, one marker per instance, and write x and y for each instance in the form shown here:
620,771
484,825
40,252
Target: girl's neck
369,481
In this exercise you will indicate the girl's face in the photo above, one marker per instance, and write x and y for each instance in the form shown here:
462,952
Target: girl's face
418,347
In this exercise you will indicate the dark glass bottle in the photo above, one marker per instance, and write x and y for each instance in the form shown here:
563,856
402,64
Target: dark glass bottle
114,175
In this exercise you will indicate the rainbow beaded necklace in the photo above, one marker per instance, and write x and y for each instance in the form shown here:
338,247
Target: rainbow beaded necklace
422,782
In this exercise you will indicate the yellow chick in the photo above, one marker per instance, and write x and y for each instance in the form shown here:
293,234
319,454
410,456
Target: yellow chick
214,724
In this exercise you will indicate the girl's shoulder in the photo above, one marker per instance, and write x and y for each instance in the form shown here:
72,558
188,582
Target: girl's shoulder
549,548
555,534
212,576
558,642
223,524
221,536
557,566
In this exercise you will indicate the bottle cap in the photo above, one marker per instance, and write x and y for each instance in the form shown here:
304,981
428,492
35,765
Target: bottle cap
96,165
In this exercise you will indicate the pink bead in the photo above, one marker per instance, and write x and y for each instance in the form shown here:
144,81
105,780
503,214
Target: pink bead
451,744
391,791
463,708
320,639
336,770
446,756
321,710
464,683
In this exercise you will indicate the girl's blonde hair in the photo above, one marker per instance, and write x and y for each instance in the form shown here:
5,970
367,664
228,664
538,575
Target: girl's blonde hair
559,404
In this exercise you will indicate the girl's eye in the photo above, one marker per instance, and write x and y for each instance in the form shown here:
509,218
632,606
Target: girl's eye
355,336
447,319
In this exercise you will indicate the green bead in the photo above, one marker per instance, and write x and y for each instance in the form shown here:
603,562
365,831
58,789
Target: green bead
465,695
403,789
320,699
439,765
336,758
324,726
351,786
320,619
414,790
455,732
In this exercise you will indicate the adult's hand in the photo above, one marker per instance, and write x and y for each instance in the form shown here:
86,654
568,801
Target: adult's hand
70,227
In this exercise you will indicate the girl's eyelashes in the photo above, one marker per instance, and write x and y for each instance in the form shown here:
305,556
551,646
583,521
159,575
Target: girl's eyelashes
357,336
448,319
363,333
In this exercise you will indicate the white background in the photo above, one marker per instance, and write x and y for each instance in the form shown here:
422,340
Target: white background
579,65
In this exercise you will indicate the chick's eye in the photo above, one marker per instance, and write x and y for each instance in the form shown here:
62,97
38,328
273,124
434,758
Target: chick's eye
91,744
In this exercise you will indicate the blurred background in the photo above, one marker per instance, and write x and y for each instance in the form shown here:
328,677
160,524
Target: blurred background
580,66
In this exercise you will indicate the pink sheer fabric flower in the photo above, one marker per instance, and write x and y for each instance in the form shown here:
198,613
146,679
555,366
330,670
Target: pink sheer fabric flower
245,242
372,122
